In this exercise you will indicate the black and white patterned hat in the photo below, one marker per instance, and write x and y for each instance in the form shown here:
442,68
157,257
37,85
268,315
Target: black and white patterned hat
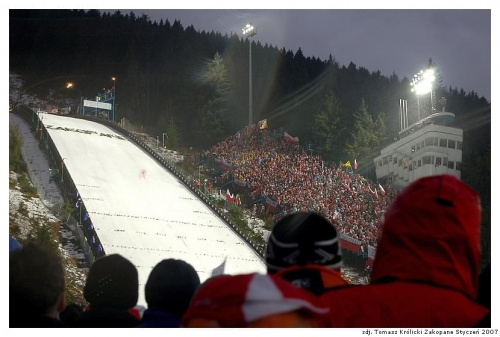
303,238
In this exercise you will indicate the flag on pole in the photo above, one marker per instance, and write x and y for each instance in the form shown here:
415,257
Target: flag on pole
355,164
220,269
346,164
290,139
381,189
229,197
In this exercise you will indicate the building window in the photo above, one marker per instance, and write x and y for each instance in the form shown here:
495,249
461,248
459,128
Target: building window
380,163
413,148
438,161
442,142
422,144
427,160
458,166
451,144
384,160
419,163
390,158
436,141
451,164
445,161
459,145
418,146
429,141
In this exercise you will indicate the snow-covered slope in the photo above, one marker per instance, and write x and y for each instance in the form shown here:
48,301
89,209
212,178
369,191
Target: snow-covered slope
139,209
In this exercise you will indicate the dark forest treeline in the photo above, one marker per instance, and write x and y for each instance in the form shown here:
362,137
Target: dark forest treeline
193,86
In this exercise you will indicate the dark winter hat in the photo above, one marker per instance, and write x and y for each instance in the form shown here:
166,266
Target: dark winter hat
171,285
112,282
303,238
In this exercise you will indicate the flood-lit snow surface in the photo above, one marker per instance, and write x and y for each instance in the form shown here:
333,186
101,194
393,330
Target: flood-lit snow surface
139,209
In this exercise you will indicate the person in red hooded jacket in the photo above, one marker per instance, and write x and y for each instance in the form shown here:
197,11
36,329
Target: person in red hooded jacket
426,269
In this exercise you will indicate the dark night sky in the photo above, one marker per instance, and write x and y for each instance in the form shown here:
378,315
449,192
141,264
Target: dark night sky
392,40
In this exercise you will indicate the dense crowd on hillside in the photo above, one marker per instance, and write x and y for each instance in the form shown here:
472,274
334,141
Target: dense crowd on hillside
271,167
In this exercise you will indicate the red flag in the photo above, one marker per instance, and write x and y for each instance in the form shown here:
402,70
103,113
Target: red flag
355,164
229,197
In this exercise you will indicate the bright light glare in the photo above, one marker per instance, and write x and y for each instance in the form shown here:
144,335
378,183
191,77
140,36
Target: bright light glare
422,83
248,29
69,85
423,88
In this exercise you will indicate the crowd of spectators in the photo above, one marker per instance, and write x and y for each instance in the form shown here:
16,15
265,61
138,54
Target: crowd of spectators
271,167
411,285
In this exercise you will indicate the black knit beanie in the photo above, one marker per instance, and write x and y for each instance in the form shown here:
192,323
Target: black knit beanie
112,282
171,285
303,238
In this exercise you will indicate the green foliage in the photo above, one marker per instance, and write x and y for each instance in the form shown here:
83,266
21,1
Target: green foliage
23,210
26,186
16,162
68,208
44,235
237,216
328,128
268,224
210,122
367,136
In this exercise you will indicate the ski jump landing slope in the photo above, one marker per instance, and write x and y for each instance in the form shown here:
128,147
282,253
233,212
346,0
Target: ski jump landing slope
139,209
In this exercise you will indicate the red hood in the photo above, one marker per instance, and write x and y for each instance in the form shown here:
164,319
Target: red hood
431,234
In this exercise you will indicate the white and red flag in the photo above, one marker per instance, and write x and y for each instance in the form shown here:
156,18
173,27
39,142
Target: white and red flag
381,189
290,139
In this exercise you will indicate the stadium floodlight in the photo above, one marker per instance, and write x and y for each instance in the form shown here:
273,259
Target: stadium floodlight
71,86
250,31
421,84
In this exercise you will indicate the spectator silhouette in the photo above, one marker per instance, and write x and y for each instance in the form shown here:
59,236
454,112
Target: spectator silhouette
169,289
304,248
426,269
71,314
112,290
36,287
253,300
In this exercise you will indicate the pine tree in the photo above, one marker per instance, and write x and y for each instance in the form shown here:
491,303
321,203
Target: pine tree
210,123
327,127
367,136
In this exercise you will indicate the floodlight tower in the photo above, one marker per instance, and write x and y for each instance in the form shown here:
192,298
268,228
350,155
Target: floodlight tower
249,31
114,97
422,84
71,86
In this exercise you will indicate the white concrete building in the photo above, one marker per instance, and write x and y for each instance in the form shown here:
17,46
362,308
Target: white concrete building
428,147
